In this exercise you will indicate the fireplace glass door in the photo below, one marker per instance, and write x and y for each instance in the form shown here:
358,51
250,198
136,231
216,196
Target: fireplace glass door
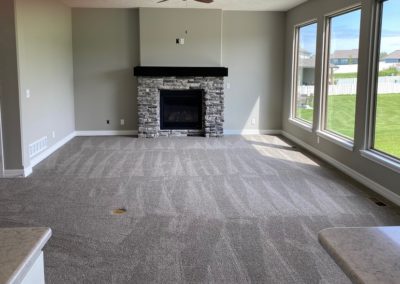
181,109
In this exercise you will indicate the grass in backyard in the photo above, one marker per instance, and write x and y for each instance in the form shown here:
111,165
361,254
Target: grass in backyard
345,75
387,138
341,115
392,71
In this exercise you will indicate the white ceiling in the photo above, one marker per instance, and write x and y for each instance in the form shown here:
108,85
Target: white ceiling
246,5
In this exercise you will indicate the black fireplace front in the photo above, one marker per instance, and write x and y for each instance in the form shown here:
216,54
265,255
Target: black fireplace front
181,109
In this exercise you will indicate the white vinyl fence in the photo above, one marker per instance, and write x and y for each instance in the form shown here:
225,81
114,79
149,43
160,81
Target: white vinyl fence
386,85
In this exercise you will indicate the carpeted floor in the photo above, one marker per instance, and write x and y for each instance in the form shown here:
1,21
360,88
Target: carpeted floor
229,210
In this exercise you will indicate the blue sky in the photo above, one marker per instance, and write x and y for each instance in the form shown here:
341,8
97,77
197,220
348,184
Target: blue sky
307,38
345,30
391,26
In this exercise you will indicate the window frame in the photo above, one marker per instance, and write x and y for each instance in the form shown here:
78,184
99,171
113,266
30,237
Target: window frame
306,125
368,151
322,131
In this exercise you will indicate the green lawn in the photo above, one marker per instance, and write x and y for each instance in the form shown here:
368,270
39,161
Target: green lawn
344,75
341,113
387,138
392,71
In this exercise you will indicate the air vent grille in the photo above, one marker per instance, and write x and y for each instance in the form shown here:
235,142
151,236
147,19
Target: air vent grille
377,201
37,146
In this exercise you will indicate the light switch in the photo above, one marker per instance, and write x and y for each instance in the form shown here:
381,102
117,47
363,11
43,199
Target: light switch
28,93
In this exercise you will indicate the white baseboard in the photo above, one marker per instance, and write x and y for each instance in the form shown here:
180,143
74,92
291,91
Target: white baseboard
271,132
251,132
14,173
43,155
388,194
105,132
28,171
135,132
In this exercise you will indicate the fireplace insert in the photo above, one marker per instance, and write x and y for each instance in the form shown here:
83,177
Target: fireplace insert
181,109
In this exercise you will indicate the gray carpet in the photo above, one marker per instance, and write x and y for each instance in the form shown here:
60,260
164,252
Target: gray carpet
229,210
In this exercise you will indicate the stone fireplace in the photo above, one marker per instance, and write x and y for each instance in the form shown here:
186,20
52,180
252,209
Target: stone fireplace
180,101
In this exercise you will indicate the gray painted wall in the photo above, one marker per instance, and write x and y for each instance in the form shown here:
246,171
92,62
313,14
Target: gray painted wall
9,91
106,48
316,9
253,49
159,29
44,37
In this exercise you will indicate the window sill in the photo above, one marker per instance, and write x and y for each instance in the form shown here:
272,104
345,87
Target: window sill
348,145
381,159
301,124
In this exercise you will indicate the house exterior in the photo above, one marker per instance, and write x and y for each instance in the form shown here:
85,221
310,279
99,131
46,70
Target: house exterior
304,54
344,57
307,70
393,57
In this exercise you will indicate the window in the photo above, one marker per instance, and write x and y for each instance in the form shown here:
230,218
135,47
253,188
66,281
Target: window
386,120
339,100
304,73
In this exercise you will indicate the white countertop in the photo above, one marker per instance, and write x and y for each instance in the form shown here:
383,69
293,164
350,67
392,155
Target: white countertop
19,248
366,255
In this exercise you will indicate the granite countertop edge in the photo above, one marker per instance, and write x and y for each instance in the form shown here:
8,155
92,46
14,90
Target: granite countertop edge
336,256
25,265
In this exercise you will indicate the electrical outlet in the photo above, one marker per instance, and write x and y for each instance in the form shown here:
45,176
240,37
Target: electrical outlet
180,41
228,85
53,134
122,121
253,121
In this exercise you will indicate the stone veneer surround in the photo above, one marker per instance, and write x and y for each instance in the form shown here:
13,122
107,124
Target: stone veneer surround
149,105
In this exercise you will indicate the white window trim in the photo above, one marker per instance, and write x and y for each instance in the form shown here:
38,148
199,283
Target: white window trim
322,131
381,159
368,152
299,123
295,61
338,140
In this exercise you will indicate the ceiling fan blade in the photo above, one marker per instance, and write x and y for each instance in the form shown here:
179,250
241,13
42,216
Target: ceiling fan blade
201,1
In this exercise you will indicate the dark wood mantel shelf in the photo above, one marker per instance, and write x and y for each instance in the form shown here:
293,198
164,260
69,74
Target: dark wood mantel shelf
166,71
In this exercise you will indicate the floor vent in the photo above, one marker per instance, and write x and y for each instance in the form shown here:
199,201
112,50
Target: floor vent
377,201
37,146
